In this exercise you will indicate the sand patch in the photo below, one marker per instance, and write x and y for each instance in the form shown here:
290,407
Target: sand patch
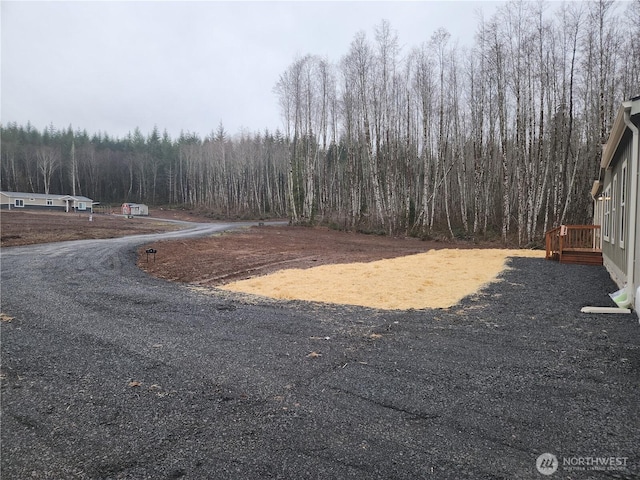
435,279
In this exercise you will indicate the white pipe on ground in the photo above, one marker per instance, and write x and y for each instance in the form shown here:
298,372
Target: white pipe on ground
604,310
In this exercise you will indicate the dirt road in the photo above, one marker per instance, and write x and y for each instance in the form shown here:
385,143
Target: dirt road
110,373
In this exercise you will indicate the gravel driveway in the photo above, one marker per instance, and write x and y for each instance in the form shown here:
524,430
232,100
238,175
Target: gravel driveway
109,373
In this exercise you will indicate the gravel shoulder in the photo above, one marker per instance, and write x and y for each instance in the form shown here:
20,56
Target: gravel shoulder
108,372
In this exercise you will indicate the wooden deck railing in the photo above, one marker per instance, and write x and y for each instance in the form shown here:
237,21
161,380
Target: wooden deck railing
572,237
553,244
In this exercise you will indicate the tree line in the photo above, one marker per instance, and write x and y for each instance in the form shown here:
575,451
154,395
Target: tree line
244,176
499,138
503,136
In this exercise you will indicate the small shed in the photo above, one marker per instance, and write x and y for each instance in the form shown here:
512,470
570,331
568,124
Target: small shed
136,209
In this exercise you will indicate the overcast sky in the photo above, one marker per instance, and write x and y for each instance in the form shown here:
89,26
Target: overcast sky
113,66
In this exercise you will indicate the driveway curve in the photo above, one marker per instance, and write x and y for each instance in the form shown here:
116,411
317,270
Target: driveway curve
108,373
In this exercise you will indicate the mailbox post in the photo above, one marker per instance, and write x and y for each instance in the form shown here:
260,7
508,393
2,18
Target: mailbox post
152,251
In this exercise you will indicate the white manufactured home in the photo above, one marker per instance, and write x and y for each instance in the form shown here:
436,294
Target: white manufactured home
41,201
616,196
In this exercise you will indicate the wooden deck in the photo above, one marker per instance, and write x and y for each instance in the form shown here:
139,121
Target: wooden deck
576,244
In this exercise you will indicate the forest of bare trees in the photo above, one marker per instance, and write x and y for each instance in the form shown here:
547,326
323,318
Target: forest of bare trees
240,177
498,139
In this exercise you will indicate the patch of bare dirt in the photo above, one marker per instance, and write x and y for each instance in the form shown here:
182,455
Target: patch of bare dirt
24,227
258,251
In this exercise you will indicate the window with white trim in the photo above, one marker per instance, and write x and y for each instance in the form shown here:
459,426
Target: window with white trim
19,202
623,202
607,213
613,208
82,206
49,202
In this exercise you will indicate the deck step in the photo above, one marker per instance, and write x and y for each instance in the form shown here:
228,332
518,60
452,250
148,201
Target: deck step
582,258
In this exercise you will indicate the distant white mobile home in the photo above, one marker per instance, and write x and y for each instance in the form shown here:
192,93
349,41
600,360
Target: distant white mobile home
42,201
